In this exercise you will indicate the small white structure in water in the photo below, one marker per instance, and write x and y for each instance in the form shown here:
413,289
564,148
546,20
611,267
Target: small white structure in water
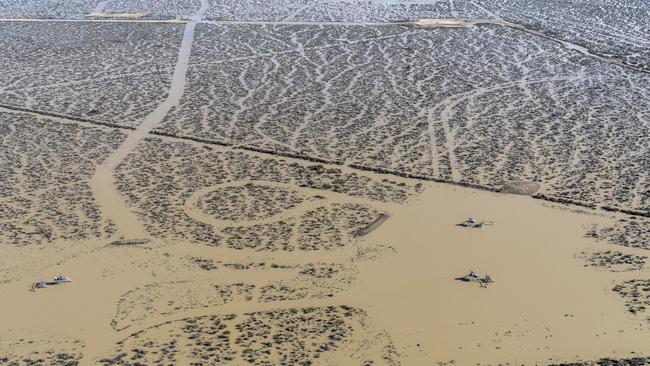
485,280
472,276
473,223
61,279
58,279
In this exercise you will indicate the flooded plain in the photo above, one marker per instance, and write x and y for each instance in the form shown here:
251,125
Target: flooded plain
282,183
545,304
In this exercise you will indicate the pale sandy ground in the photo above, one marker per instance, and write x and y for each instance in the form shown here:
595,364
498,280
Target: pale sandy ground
544,306
118,15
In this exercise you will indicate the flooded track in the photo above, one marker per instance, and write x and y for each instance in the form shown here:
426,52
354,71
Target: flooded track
313,198
110,201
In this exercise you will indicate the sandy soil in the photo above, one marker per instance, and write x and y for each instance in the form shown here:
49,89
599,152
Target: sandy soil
118,15
443,23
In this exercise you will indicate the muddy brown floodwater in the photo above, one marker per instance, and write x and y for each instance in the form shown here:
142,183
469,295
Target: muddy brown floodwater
544,305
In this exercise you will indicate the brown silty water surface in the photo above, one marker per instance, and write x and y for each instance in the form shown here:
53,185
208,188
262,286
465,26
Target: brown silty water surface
544,304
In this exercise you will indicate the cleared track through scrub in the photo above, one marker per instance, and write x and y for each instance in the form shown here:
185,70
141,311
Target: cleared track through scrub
102,183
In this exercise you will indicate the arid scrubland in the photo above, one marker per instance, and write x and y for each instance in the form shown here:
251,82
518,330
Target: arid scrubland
102,72
160,176
284,337
294,282
44,179
622,31
630,232
46,9
265,153
151,9
614,260
368,95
